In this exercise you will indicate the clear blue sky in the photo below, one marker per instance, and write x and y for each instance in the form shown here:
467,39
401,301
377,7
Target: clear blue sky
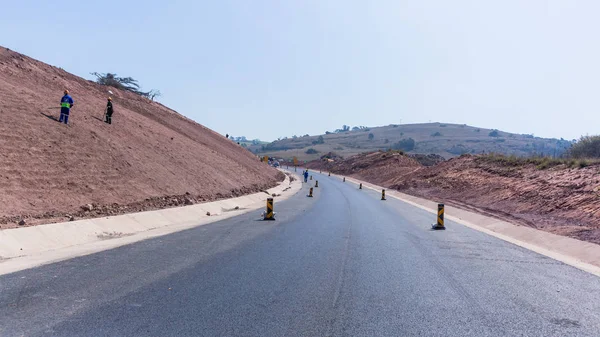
266,69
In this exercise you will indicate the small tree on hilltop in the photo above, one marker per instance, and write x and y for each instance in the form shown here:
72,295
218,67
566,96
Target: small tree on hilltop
494,133
124,83
405,145
371,136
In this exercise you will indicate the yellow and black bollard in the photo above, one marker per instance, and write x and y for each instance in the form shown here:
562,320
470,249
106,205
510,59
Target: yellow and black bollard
382,194
440,218
360,186
329,174
269,214
316,183
310,177
310,193
344,180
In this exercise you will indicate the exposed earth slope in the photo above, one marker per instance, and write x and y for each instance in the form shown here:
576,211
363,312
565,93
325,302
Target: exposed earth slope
145,159
562,199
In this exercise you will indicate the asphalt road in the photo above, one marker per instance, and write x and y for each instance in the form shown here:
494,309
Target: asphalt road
343,263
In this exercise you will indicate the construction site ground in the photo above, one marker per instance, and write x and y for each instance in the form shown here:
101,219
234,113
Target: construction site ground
151,157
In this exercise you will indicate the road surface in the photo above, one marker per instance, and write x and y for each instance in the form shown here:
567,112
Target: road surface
343,263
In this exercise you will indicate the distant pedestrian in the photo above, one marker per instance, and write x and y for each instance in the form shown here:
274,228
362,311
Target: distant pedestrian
109,112
66,103
306,176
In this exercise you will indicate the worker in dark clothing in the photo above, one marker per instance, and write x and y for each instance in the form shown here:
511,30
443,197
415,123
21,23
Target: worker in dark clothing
109,112
66,103
306,176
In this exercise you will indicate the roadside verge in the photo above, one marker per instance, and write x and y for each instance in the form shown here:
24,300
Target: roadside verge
23,248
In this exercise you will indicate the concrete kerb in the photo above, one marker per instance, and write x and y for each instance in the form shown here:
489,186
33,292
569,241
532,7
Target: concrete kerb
580,254
22,248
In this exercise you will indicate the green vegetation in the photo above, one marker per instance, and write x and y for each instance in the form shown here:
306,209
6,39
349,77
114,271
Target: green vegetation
311,151
494,133
345,128
436,134
404,145
319,140
586,147
371,136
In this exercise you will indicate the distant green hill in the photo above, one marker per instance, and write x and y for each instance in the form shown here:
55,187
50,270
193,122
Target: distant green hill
447,140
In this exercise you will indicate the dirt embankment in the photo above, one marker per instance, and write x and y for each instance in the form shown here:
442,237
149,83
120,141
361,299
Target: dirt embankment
371,166
560,199
150,157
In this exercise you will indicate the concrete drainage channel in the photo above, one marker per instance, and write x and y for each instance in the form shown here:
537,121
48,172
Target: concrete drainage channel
22,248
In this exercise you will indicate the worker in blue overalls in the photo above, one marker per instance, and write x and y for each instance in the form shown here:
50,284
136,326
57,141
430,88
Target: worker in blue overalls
306,176
66,103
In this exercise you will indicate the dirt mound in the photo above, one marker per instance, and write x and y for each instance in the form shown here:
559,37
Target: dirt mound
49,169
385,167
427,159
559,198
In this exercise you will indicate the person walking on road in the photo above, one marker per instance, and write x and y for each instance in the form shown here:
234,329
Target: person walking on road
66,103
109,112
306,176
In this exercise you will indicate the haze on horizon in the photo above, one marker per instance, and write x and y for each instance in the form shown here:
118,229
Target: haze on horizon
269,69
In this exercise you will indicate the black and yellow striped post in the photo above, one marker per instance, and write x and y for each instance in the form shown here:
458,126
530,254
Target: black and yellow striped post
310,193
344,180
360,186
329,174
440,218
269,214
316,183
382,194
310,177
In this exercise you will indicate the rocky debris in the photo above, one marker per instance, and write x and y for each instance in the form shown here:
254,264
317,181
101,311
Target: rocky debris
208,213
22,222
188,201
70,218
87,208
236,207
99,210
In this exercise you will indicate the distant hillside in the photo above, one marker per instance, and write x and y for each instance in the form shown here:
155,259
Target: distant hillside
447,140
150,156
